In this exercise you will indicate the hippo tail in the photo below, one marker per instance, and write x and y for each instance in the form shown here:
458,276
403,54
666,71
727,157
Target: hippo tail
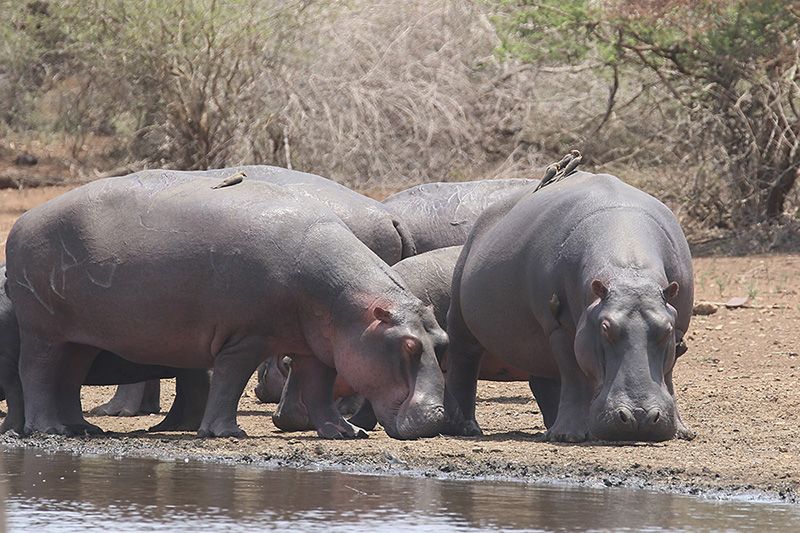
409,248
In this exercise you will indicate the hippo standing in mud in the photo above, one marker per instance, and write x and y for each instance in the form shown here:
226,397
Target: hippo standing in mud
163,269
587,281
439,215
369,220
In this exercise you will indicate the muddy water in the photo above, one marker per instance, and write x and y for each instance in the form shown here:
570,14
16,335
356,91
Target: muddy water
60,492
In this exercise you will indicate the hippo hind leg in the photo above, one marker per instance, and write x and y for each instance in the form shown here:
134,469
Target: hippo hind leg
52,375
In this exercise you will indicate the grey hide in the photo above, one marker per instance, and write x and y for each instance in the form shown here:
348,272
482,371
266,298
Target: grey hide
587,281
162,269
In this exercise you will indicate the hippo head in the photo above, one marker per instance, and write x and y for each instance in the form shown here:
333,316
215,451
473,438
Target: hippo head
394,365
625,344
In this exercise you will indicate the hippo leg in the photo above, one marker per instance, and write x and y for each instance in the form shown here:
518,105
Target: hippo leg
291,413
547,392
132,399
316,389
52,375
364,417
15,403
233,366
191,396
463,361
682,430
572,421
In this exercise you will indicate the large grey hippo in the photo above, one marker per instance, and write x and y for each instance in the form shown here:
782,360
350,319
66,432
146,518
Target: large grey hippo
164,269
587,281
369,220
439,215
107,369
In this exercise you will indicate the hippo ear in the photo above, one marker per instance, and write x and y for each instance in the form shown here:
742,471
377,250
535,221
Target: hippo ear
671,291
383,315
599,289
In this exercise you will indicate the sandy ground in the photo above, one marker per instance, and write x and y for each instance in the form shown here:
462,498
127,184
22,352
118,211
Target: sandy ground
737,388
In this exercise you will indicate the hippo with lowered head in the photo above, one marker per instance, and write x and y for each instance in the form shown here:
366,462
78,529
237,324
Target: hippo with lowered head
589,282
164,269
369,220
439,215
428,276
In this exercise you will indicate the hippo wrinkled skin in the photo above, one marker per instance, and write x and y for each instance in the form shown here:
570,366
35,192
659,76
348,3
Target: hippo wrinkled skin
163,269
587,282
442,214
107,369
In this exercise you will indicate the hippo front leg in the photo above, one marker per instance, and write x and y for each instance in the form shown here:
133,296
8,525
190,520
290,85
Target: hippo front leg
233,366
682,431
572,418
315,381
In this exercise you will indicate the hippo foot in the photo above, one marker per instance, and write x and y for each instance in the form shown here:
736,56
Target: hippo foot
465,428
235,432
70,430
684,433
330,430
168,425
107,410
554,435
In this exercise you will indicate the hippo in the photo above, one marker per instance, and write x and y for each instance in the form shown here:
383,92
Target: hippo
369,220
587,282
439,215
107,369
164,269
428,276
373,223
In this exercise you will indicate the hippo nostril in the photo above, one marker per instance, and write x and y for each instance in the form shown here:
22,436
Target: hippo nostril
625,417
653,417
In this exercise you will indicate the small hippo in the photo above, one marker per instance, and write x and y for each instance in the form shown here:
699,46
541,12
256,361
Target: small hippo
429,277
107,369
439,215
163,269
587,282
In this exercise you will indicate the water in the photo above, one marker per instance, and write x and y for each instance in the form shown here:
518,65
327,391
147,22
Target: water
66,493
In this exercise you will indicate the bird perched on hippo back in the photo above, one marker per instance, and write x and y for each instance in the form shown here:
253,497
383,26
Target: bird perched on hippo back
233,179
587,282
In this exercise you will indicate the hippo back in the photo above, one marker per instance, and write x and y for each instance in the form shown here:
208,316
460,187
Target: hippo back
442,214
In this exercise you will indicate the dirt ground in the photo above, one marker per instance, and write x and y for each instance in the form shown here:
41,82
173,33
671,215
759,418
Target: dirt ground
737,388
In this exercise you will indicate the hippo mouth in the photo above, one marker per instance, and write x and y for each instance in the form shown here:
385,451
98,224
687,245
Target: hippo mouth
410,420
623,422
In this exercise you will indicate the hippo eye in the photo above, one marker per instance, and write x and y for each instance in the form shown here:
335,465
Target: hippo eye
605,329
412,349
665,333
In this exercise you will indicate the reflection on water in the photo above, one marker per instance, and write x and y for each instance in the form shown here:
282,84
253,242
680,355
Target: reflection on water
60,492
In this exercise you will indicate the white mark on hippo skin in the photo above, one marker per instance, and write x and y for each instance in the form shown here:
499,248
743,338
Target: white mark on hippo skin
28,285
68,260
103,283
460,200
